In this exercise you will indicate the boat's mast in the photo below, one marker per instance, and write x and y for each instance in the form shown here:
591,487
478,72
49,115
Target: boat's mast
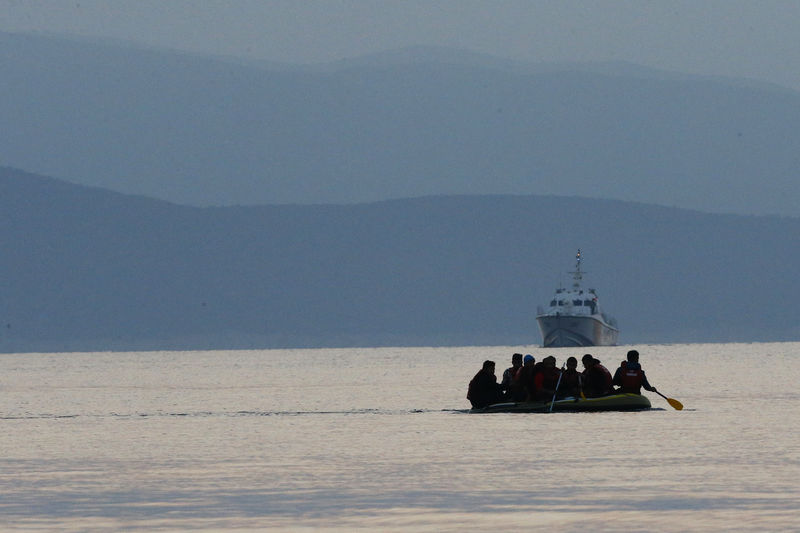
577,275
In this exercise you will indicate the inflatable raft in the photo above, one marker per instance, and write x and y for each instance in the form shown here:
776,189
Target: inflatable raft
613,402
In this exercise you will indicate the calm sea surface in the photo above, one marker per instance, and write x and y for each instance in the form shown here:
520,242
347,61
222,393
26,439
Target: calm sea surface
379,439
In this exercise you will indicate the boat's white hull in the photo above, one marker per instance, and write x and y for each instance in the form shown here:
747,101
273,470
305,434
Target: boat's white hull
576,330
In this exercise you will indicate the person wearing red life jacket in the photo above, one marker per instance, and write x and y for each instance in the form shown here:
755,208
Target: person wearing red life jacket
547,379
521,383
596,378
630,377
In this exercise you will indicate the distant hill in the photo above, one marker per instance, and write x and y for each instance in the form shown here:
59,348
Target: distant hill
417,122
88,269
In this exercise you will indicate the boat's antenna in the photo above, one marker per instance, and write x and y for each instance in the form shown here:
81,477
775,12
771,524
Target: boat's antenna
577,275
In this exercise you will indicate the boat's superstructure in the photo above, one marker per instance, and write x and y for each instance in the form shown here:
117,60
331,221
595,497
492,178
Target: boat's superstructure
574,318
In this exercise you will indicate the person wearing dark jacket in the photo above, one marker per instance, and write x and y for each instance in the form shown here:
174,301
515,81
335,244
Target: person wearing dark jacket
630,377
596,378
510,373
570,380
484,389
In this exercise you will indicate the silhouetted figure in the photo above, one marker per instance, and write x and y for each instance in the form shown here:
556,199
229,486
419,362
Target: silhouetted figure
630,377
484,389
510,373
526,379
596,378
570,380
547,379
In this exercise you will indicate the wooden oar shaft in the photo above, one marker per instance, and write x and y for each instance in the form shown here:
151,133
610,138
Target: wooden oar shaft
553,401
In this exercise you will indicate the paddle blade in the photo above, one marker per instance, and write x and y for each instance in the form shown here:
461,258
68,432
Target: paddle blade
675,403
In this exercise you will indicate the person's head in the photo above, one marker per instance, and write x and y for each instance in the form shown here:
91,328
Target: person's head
516,360
633,356
488,366
529,360
587,360
549,361
572,363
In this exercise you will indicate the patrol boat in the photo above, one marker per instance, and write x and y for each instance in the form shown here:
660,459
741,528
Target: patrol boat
574,318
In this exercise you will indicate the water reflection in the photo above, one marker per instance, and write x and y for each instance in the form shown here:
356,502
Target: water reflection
380,439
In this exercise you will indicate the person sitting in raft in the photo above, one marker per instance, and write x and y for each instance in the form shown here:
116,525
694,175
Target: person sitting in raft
547,379
509,374
596,378
484,389
526,379
630,377
570,380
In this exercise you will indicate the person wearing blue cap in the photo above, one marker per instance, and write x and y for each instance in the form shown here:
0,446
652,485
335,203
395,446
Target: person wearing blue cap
526,377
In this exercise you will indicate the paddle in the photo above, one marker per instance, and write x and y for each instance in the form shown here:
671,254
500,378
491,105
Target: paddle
553,401
673,402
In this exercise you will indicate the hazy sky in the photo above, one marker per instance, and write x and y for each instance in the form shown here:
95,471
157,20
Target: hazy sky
753,39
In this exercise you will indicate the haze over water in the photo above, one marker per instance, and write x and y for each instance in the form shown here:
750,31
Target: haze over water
380,439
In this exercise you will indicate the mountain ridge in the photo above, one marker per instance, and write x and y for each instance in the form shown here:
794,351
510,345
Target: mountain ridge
205,131
85,269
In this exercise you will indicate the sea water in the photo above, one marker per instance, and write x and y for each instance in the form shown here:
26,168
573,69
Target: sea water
381,439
